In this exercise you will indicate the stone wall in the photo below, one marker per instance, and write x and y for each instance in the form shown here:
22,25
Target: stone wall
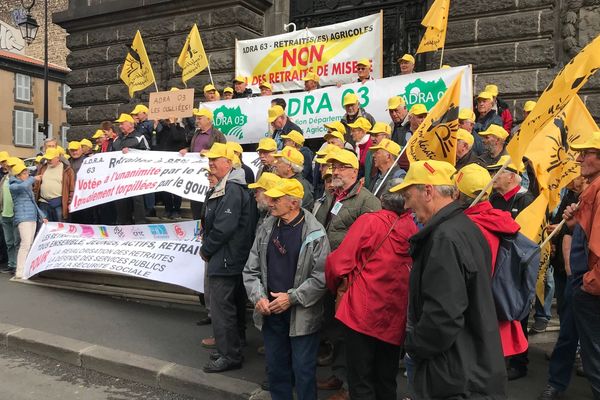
57,49
99,36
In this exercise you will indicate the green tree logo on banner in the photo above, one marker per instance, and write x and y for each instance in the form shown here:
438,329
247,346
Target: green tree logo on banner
427,93
230,121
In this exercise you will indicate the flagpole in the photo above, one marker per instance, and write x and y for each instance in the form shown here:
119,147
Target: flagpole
489,185
388,172
442,58
210,73
555,231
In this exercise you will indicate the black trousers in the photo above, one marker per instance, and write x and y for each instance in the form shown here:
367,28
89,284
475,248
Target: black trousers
372,366
131,211
225,302
196,207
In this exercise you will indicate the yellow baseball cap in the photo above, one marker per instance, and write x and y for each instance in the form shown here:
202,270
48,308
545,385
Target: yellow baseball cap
4,156
61,150
311,76
139,109
512,166
465,136
387,145
173,89
86,142
344,156
466,114
381,127
334,134
267,144
361,123
365,62
395,102
445,66
74,145
235,146
228,90
292,155
203,112
408,58
427,172
350,98
209,87
125,118
485,95
289,187
266,85
275,112
12,161
336,126
328,172
38,159
99,133
492,89
18,168
294,136
495,130
267,181
472,179
239,78
328,148
529,106
418,109
220,150
51,153
592,143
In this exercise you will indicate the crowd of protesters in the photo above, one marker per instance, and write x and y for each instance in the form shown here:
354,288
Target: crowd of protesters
351,256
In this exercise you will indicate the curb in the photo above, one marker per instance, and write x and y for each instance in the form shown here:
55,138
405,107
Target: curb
121,364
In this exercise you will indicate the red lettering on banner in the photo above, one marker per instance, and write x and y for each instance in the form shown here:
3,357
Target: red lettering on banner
302,56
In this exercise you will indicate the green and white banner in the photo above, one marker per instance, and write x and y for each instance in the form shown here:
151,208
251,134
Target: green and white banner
245,120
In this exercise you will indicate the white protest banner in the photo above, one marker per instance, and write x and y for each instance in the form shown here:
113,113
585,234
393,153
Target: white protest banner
171,104
330,51
112,176
168,253
245,120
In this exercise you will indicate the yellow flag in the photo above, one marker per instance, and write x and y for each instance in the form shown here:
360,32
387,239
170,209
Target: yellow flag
436,22
192,59
556,96
550,154
137,71
435,139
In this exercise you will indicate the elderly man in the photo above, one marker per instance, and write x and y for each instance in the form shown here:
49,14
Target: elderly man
466,121
210,93
398,114
416,116
452,333
527,108
359,131
87,147
486,115
240,89
266,89
585,259
289,165
54,190
10,231
384,160
282,124
353,112
296,140
349,200
378,132
363,70
501,107
493,139
407,64
238,151
267,181
267,148
311,82
143,125
228,93
464,149
284,279
229,227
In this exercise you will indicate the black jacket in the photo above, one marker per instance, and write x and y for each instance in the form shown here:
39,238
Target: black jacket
514,205
246,93
172,137
132,141
452,330
230,217
469,158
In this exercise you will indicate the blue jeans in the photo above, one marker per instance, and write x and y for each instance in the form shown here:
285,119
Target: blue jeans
53,214
12,239
545,311
587,317
290,359
563,356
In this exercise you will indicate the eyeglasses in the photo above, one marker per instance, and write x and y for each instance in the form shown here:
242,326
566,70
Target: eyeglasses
361,68
340,167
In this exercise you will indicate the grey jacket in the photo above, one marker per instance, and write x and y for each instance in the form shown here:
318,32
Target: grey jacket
306,297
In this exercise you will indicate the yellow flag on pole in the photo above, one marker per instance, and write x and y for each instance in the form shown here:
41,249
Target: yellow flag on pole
137,71
435,139
556,96
192,59
436,22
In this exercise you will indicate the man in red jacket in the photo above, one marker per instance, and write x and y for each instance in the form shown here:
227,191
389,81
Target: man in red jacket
493,223
372,262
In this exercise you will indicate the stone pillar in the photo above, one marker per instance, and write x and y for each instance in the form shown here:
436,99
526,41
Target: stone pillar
100,31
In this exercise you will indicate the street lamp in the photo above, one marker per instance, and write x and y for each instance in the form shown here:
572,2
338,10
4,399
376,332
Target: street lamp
29,28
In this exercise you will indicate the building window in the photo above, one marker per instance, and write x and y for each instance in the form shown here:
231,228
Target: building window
22,87
63,136
23,132
65,89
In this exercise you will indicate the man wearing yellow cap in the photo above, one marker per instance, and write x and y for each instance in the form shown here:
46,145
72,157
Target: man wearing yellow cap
9,229
284,278
508,194
228,93
398,113
240,89
54,190
353,112
407,64
143,125
129,137
501,107
311,81
359,131
450,284
296,140
267,181
229,225
206,134
485,113
289,165
493,139
210,93
281,124
384,160
267,148
527,108
378,132
363,70
464,149
266,89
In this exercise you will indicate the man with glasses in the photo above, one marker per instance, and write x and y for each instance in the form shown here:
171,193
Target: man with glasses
353,112
363,68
